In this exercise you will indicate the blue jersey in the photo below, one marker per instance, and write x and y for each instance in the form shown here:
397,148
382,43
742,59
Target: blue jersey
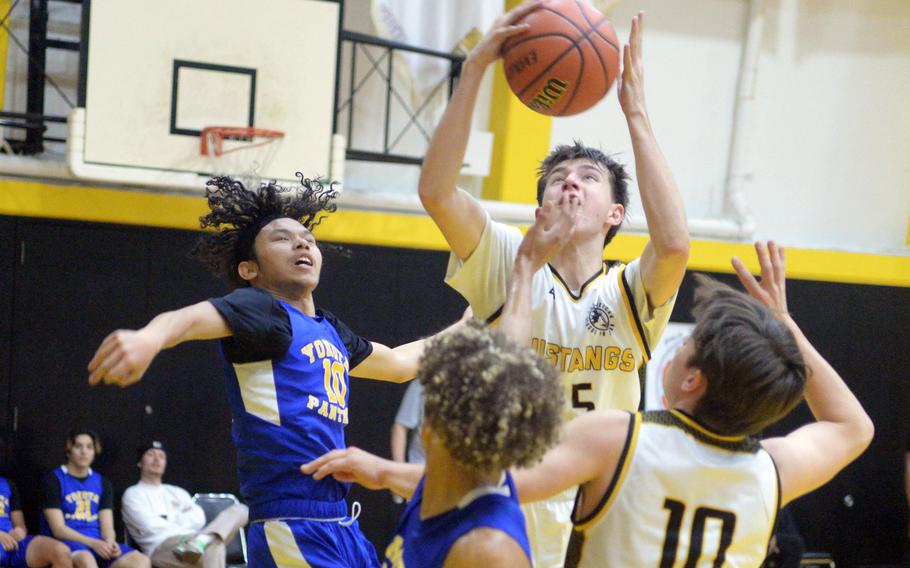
287,385
426,543
79,499
9,502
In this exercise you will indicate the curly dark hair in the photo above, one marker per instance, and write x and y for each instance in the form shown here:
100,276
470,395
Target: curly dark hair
619,178
237,214
493,404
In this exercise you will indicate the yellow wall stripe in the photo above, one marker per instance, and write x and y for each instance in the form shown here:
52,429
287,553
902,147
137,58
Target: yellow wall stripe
32,199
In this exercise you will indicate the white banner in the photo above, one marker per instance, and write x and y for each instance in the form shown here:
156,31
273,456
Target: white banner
452,26
661,355
442,25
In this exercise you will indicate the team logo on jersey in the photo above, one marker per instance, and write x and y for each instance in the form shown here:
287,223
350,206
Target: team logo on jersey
600,319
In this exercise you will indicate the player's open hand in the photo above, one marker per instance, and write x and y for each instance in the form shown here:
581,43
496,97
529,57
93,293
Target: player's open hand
771,290
8,543
505,26
350,465
554,227
631,89
123,357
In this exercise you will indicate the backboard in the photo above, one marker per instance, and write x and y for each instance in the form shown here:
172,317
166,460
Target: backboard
159,72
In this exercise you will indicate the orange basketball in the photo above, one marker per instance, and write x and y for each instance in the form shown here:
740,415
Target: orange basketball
566,61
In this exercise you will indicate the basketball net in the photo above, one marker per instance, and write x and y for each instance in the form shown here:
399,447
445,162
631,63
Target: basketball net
239,152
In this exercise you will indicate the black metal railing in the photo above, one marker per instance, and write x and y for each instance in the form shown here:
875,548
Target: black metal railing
34,120
379,55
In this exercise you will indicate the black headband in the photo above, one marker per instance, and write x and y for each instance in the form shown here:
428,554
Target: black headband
247,236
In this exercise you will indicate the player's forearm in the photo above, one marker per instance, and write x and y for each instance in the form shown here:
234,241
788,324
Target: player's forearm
400,478
660,197
445,154
106,523
829,398
515,321
63,532
199,321
398,442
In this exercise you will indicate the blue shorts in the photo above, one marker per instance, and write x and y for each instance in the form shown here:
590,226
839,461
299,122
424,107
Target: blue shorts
15,558
320,544
102,563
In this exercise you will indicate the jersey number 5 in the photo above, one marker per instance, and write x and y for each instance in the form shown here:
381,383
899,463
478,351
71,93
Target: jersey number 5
576,396
696,538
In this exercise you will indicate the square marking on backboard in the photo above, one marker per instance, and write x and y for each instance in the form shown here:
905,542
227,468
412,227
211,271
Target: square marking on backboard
206,94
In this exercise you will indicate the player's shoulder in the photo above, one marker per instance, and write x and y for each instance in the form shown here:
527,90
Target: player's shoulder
486,546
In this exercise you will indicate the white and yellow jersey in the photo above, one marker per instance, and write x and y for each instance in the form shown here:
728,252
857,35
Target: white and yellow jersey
597,337
681,496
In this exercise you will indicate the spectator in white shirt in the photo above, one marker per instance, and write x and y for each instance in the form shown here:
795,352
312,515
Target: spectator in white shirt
166,523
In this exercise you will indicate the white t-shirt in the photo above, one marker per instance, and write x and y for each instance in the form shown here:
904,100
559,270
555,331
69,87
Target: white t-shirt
154,513
596,337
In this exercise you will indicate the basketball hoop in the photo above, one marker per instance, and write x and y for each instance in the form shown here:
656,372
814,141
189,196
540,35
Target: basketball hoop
215,142
216,135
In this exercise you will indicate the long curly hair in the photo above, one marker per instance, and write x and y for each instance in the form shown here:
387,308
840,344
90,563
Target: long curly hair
493,403
237,214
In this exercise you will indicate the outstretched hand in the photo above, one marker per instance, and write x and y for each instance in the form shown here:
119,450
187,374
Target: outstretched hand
554,227
123,358
350,465
631,89
772,289
488,49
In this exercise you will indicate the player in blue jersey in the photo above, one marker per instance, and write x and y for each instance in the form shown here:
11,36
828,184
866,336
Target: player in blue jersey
78,509
489,405
287,366
17,548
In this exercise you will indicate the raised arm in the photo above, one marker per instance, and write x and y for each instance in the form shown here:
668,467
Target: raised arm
553,228
398,364
663,263
455,212
125,355
810,456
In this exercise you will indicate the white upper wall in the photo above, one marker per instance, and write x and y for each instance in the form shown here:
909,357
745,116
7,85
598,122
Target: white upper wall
827,138
824,148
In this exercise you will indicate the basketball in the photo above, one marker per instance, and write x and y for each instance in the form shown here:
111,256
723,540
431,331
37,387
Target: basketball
566,61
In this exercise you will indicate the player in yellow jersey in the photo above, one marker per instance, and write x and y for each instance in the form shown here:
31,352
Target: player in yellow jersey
592,321
689,485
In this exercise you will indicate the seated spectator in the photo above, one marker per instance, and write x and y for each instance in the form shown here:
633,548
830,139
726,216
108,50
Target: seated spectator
166,523
18,548
78,509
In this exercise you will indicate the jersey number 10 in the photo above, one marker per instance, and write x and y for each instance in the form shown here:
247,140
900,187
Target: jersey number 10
696,538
